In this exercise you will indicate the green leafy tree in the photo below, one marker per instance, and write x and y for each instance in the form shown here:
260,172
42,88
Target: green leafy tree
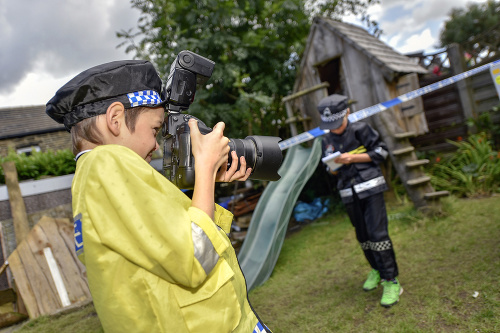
475,28
256,46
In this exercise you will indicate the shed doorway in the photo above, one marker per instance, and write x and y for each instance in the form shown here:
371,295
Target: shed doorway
331,71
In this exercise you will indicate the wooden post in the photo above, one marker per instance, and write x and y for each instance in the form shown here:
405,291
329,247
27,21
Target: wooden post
305,91
457,63
291,118
287,99
19,215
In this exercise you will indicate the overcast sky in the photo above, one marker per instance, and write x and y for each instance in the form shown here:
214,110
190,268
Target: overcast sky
46,43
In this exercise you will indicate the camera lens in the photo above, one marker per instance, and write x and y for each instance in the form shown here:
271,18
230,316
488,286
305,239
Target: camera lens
262,154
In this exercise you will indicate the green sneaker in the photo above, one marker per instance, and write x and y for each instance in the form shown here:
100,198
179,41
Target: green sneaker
392,291
372,280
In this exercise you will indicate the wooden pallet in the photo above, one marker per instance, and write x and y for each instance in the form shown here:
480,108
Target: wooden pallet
48,274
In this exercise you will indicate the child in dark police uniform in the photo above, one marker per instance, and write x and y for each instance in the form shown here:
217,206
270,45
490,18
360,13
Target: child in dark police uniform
361,185
156,260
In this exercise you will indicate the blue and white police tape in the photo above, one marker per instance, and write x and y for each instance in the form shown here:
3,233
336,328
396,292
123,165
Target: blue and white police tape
370,111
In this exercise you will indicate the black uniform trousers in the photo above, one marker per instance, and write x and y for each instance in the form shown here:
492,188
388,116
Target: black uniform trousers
369,218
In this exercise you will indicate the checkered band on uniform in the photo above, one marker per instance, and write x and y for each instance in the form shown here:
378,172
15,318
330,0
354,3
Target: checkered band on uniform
144,97
328,117
381,246
259,328
377,246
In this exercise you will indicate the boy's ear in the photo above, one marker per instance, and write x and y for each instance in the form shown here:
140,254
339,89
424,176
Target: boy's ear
115,118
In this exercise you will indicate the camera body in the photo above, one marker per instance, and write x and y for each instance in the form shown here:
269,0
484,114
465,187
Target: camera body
178,161
262,153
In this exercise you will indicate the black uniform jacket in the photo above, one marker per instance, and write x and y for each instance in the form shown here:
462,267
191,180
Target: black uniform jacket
363,178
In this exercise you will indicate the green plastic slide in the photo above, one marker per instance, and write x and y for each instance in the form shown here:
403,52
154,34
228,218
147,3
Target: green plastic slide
266,233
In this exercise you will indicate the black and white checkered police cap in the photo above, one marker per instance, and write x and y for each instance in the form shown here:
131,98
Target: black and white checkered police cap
332,110
131,82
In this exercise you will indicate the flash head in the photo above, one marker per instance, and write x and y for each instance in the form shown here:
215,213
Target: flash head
186,72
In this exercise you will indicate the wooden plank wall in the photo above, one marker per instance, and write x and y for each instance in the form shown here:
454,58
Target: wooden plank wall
444,115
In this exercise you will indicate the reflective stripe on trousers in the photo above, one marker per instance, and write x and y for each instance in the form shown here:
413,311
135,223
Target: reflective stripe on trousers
377,246
364,186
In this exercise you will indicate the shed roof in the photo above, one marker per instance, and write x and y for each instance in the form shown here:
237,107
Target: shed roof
16,122
371,46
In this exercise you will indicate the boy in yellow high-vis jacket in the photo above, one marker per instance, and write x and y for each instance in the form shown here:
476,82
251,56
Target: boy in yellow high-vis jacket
156,260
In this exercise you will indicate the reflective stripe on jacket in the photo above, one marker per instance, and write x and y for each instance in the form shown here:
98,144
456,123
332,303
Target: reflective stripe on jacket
154,263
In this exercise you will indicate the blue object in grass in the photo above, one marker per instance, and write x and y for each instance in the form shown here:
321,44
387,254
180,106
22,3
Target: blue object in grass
310,211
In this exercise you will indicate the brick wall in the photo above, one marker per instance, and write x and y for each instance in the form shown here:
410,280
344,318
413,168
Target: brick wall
53,141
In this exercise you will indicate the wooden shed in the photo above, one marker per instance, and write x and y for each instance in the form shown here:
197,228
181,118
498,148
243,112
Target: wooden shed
345,59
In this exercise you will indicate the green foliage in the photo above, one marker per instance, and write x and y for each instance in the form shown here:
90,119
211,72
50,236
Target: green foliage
476,28
484,123
256,46
39,164
472,170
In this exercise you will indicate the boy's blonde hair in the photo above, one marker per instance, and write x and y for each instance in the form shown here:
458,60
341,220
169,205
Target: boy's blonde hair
86,130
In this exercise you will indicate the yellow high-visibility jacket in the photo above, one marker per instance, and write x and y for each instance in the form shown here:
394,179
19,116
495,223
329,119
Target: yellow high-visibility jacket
154,263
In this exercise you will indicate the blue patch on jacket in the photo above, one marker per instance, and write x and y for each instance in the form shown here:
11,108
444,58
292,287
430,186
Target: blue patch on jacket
78,234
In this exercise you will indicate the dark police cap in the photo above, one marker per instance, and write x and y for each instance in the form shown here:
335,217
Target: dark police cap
332,110
131,82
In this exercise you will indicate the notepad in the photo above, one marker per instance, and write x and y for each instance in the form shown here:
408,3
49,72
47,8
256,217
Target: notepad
328,160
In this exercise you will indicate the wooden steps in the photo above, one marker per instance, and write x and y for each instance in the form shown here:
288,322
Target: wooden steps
404,135
416,163
418,181
401,151
436,195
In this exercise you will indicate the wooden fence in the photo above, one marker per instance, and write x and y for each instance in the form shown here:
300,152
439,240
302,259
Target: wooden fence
448,109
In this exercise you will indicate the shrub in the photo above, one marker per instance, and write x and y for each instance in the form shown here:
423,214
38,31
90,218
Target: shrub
484,123
39,164
472,170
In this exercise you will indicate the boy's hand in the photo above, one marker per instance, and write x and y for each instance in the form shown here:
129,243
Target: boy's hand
344,158
348,158
232,174
210,151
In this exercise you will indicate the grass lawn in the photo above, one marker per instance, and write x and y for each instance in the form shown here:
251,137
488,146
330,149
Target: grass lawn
444,262
449,269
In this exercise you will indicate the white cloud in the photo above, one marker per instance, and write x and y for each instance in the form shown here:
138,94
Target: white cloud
46,41
36,88
410,26
415,43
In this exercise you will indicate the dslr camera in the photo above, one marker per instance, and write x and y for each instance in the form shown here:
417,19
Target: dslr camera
262,153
